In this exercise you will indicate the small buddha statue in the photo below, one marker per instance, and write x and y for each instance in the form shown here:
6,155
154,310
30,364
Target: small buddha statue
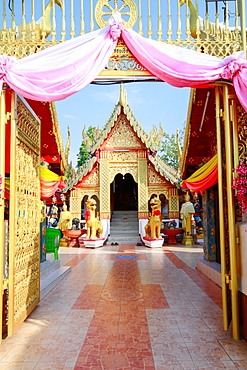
65,219
187,210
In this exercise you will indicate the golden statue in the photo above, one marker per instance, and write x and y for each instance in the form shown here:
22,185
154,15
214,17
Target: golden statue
153,226
94,226
65,219
187,210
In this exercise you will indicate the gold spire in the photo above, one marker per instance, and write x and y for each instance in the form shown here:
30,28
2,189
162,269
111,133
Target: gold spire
123,96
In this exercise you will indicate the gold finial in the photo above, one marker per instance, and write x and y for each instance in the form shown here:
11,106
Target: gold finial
123,96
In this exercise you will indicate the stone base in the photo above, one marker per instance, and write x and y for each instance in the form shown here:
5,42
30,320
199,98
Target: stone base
188,240
153,243
64,242
199,238
93,243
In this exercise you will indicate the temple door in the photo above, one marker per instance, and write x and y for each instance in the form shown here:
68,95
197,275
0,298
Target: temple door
24,213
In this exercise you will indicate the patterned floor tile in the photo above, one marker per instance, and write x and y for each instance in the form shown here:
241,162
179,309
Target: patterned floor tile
152,312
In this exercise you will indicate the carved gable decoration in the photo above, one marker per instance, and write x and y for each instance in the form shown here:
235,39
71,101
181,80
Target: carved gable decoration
122,135
92,179
155,178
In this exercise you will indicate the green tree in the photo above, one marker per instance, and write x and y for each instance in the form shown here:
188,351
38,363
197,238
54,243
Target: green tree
171,148
89,137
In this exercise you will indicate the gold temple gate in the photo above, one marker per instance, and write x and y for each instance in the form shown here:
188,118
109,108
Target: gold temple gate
26,30
198,25
21,259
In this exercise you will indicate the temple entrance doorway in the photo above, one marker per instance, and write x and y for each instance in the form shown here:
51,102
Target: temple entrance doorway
124,193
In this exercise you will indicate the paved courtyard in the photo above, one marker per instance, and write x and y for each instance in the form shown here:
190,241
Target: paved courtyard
127,307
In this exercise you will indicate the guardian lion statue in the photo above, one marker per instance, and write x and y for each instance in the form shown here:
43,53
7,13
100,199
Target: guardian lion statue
94,226
153,226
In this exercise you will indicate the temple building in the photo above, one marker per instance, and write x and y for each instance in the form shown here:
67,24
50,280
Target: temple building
124,171
207,166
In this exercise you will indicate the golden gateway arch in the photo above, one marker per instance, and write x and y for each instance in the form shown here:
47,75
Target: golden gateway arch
198,25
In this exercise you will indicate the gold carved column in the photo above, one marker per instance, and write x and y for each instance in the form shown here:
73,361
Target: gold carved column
75,203
142,186
24,214
105,201
173,203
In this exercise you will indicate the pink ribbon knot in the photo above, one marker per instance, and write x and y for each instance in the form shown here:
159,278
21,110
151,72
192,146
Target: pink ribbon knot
233,67
5,63
115,31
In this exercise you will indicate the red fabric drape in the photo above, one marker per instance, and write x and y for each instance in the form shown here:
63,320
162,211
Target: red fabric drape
203,184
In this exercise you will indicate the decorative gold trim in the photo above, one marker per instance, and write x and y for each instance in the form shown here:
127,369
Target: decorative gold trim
127,9
105,215
58,136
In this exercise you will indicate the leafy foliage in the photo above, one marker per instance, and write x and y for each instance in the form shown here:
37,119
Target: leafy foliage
169,147
89,137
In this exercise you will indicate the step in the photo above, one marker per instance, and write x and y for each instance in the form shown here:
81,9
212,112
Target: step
51,273
123,240
120,225
125,235
124,222
124,215
48,266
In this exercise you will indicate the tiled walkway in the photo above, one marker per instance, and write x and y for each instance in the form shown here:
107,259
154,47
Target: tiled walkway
127,307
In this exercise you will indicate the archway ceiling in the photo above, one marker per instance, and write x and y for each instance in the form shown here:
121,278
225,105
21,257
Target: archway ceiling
51,147
200,144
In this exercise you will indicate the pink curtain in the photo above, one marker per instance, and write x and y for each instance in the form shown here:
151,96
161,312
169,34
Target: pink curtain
48,188
60,71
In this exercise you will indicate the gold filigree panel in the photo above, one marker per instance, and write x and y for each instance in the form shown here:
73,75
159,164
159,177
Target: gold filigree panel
89,192
28,125
122,156
27,214
105,8
75,206
122,136
242,132
104,187
153,177
174,204
105,215
142,186
123,169
92,179
158,191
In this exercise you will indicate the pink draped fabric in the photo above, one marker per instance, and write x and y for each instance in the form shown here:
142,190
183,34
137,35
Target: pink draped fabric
60,71
48,188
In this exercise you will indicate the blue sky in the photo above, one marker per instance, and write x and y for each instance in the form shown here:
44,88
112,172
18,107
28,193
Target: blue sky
151,102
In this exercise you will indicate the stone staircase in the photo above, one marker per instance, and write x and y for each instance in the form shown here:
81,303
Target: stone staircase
124,228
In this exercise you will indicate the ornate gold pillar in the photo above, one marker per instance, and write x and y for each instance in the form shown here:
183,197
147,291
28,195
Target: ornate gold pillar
105,201
233,278
173,203
221,209
142,186
75,203
2,173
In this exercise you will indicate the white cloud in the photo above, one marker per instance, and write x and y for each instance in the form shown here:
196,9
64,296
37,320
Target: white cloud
70,116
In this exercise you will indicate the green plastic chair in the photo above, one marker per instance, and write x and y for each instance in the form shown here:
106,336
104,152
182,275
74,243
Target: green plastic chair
53,237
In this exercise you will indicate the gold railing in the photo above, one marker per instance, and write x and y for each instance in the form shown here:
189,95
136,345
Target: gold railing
212,27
